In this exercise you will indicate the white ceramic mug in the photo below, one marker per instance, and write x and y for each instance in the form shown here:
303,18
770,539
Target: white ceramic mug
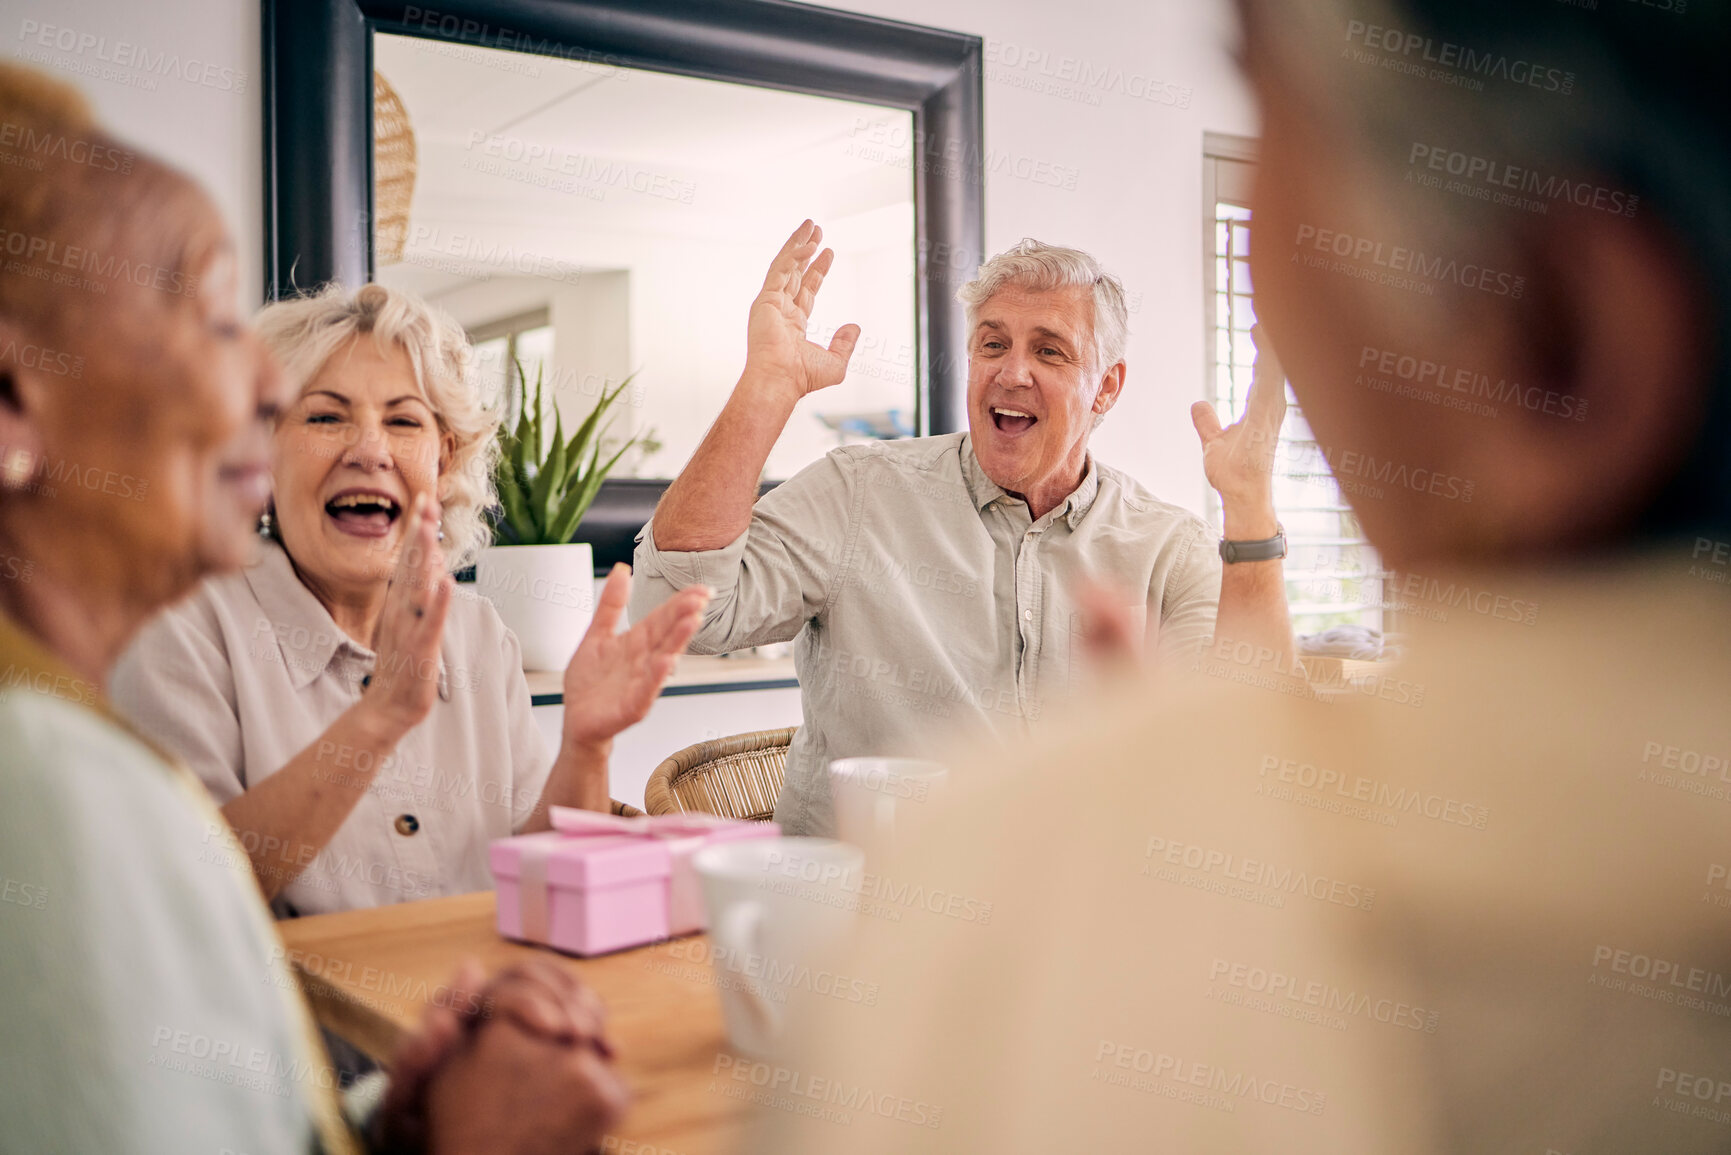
776,906
874,797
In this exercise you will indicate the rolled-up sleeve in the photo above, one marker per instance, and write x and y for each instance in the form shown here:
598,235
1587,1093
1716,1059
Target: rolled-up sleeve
773,578
176,686
1187,602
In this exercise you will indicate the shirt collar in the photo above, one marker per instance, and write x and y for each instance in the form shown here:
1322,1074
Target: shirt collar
306,636
984,491
981,488
1077,505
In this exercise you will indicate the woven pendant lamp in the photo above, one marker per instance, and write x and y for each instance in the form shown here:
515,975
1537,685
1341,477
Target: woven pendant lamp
393,171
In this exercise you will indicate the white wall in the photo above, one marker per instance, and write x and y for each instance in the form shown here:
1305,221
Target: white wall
179,77
1066,85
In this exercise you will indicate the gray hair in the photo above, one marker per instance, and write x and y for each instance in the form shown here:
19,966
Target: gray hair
304,333
1032,264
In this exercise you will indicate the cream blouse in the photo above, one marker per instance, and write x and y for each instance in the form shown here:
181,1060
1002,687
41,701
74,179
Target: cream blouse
251,670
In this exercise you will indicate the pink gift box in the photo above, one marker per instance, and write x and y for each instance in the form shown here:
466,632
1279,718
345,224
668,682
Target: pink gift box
582,895
601,882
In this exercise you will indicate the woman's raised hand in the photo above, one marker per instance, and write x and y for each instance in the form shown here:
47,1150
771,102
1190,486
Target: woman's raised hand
776,348
614,678
405,681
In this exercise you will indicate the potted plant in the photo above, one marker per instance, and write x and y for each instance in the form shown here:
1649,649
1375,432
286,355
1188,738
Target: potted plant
540,581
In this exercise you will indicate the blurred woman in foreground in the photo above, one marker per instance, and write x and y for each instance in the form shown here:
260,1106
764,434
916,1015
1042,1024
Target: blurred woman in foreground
144,1003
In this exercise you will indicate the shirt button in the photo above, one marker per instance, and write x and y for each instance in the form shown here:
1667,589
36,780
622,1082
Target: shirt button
407,824
1027,615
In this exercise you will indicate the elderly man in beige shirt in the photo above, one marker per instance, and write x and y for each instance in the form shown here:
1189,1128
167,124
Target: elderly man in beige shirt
939,582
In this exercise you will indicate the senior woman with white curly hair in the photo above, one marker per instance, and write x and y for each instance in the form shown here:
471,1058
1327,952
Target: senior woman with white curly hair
365,728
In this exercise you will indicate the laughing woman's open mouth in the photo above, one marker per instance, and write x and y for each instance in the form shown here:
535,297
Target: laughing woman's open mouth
364,512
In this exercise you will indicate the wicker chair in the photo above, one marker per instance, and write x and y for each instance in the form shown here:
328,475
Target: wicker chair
737,777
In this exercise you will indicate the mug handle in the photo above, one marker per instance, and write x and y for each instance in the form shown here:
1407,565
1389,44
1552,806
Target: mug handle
738,932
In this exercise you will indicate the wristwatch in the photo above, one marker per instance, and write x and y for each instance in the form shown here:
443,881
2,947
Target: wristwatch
1267,549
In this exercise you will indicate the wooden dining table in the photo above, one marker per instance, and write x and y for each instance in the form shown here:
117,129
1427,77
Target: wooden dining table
370,975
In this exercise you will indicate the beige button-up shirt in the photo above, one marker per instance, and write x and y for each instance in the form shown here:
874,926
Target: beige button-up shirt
251,670
924,597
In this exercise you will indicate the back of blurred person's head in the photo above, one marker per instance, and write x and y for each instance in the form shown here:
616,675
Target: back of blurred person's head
60,189
1494,248
128,381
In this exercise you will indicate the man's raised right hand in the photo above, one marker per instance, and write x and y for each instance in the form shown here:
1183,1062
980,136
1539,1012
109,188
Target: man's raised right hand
778,355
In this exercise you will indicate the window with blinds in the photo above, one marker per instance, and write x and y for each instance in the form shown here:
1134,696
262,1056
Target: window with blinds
1333,576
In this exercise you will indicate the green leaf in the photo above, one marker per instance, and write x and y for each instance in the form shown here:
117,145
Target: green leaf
530,433
549,483
516,526
564,521
522,428
580,440
520,479
576,474
591,486
517,522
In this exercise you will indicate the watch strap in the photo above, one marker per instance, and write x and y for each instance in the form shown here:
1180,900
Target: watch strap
1267,549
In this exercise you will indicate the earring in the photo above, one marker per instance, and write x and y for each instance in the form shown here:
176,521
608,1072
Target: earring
264,524
15,472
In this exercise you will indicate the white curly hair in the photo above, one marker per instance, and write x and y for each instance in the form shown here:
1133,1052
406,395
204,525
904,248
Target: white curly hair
305,331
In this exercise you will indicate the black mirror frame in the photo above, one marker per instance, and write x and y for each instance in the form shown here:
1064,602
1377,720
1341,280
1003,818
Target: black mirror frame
318,185
318,121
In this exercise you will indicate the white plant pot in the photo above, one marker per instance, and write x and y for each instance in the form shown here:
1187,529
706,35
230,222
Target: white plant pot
545,593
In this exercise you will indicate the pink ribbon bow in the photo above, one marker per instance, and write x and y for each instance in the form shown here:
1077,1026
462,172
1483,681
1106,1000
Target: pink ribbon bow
576,823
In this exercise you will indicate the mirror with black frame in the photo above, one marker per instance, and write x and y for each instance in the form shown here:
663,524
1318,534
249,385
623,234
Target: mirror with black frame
597,187
594,224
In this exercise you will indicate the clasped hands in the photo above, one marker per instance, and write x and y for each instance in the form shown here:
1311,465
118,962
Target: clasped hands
516,1065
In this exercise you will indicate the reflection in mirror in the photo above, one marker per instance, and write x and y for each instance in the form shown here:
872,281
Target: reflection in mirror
597,223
